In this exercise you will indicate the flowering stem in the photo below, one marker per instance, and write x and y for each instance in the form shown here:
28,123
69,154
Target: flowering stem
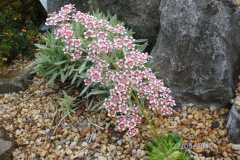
145,116
115,66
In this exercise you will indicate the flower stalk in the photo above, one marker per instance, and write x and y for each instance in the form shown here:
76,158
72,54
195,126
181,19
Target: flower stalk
156,135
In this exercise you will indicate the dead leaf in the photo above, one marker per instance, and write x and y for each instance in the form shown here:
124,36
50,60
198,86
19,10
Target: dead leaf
56,120
85,131
79,112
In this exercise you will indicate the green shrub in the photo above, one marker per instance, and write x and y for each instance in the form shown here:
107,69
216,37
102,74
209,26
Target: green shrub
67,103
16,35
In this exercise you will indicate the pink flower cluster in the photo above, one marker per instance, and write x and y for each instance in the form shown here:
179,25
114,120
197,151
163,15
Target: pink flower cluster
127,71
132,79
97,33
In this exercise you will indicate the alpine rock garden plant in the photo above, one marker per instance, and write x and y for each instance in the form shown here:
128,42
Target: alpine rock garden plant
99,51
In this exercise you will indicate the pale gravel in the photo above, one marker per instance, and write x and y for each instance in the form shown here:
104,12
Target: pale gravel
31,117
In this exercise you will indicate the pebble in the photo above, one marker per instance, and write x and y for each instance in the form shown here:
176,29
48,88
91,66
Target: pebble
197,116
215,125
84,144
34,126
236,147
84,124
184,115
72,145
225,155
102,158
119,142
119,153
61,142
187,122
213,108
222,133
43,153
18,132
103,148
191,137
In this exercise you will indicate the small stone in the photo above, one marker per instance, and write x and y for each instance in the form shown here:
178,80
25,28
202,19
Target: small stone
191,137
13,114
198,149
190,105
43,153
187,122
215,125
185,130
119,142
184,115
196,116
215,146
230,150
222,133
194,122
68,151
103,148
213,108
184,108
212,136
190,116
102,158
199,125
236,147
27,127
112,147
39,124
84,124
18,132
225,155
61,142
84,144
105,141
134,151
119,153
59,147
72,145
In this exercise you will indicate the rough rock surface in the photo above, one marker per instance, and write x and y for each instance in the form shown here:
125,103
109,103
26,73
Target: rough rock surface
15,80
7,145
233,125
197,50
55,5
141,15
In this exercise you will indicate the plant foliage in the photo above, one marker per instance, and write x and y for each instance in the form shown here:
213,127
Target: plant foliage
168,147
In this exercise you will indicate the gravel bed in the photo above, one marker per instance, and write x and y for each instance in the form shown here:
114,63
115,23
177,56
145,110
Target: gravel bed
43,131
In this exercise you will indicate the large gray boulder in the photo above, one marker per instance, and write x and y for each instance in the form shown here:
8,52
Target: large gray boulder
233,122
15,80
141,15
197,50
7,145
